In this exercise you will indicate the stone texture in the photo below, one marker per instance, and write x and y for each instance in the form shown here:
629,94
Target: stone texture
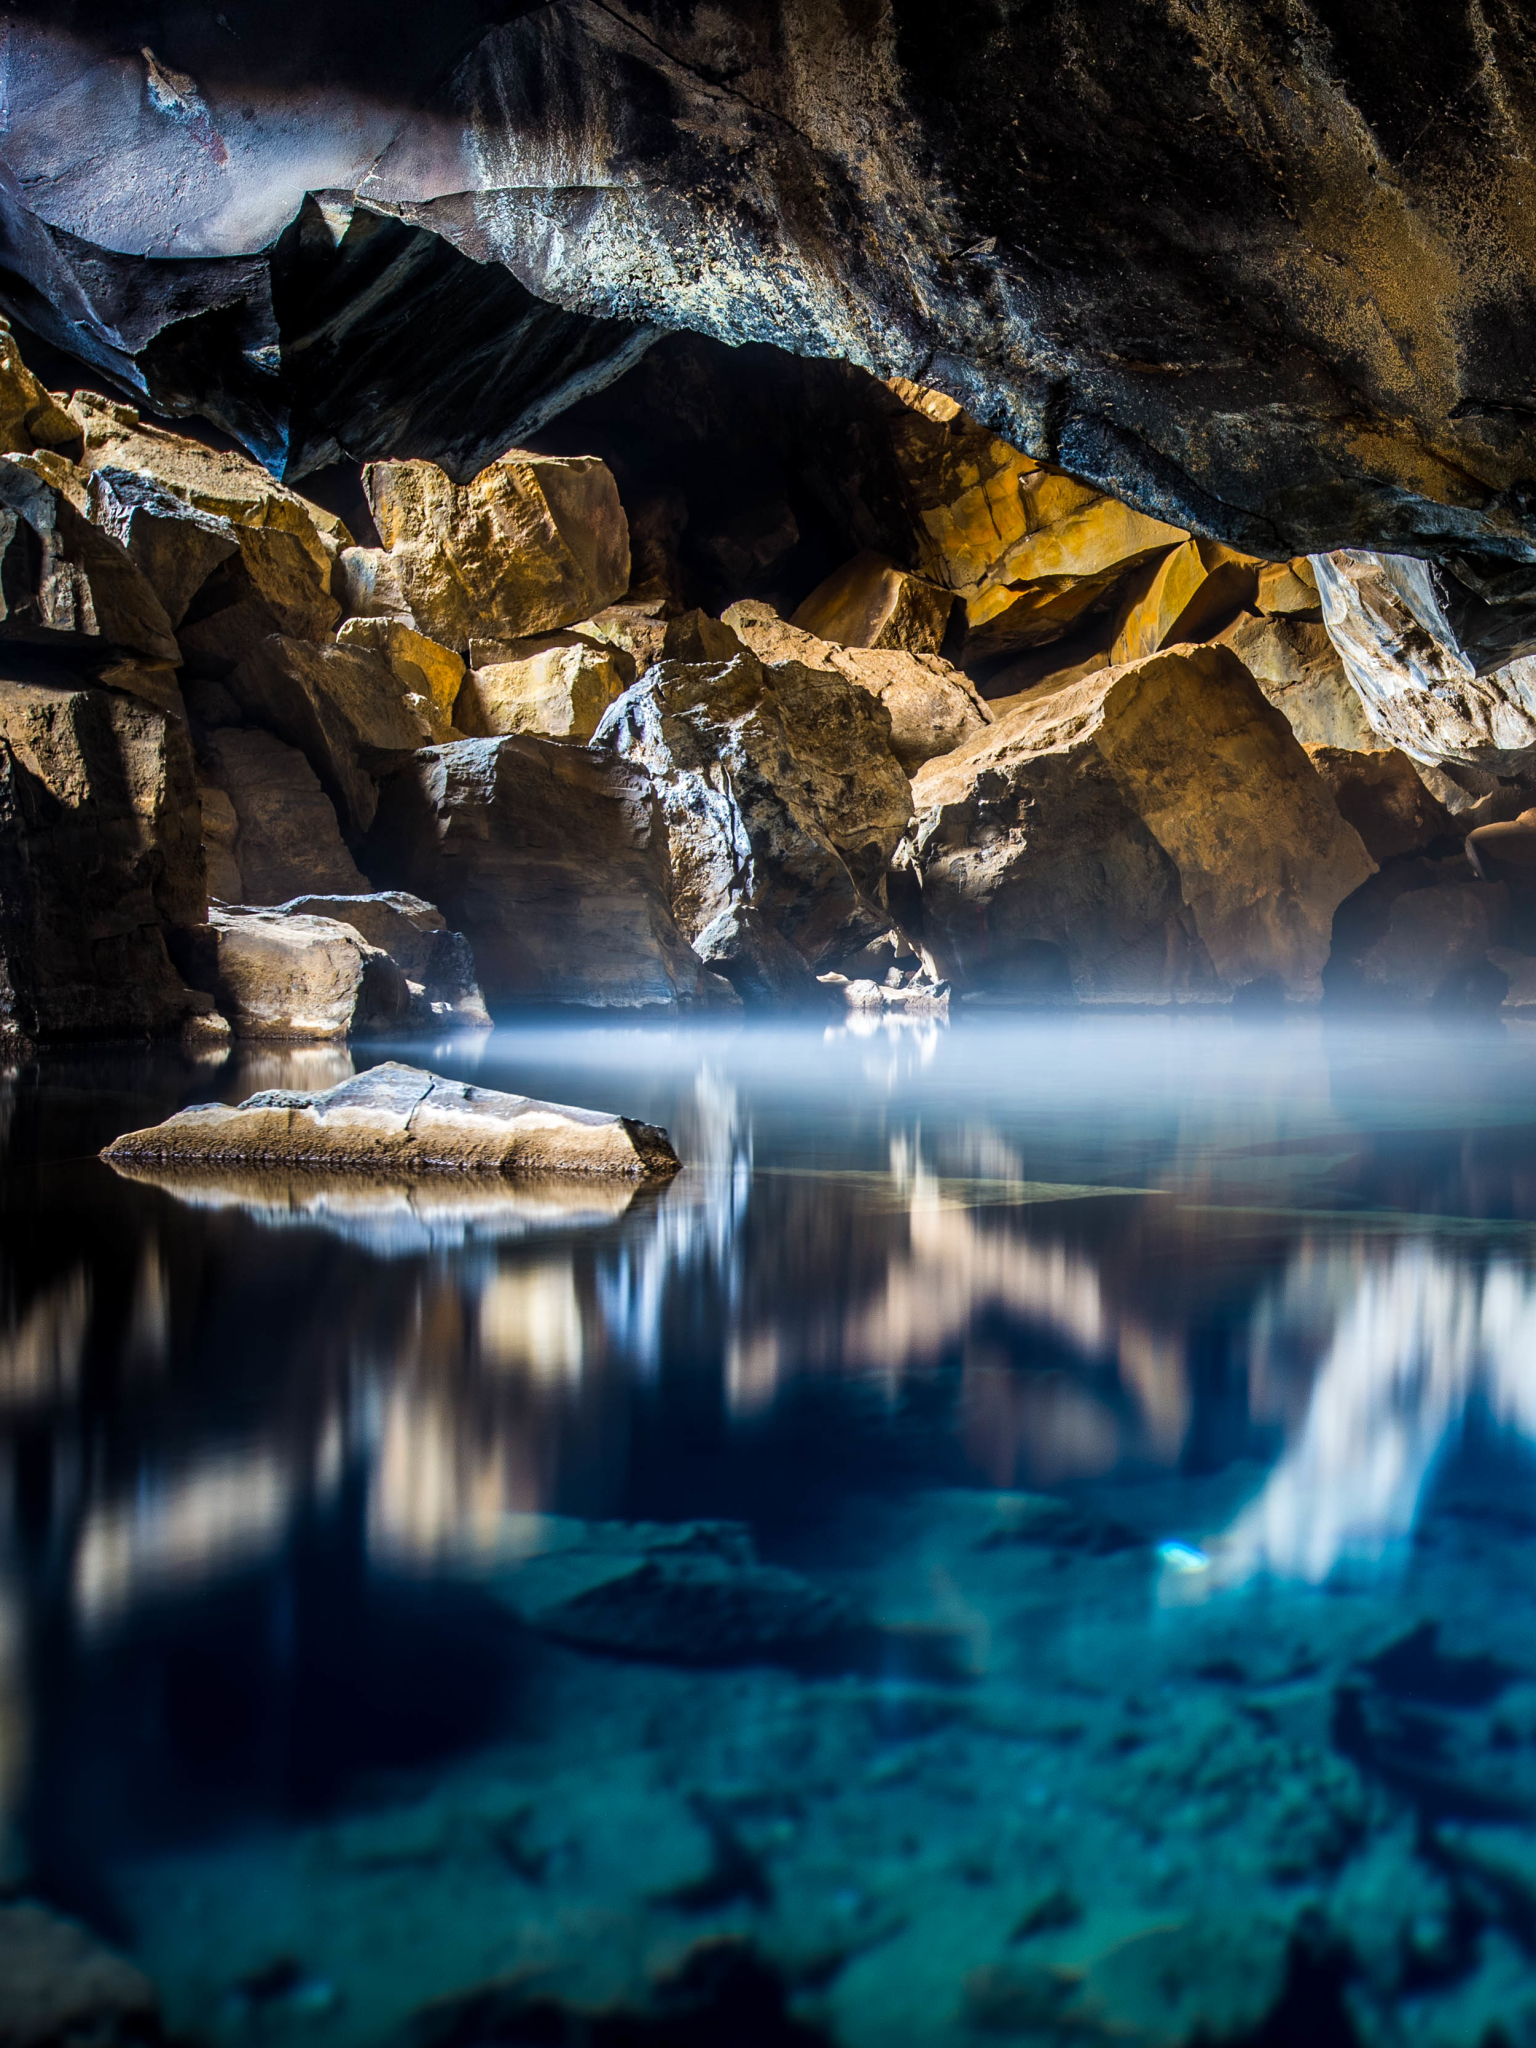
61,1988
1294,663
175,546
272,586
558,684
933,706
1151,831
1183,596
221,829
870,602
430,675
292,978
438,965
1288,590
287,841
638,626
30,417
341,706
65,580
400,1119
1436,940
1381,794
780,792
99,851
552,860
1424,688
531,544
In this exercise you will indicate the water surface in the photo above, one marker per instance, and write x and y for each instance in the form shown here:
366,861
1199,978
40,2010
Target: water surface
1029,1537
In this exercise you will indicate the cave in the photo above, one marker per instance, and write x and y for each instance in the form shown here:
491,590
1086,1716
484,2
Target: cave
767,958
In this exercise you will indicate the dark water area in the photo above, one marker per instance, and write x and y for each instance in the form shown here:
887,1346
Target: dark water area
1031,1536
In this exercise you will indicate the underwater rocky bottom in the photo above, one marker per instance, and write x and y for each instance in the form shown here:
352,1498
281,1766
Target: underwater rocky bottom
1028,1538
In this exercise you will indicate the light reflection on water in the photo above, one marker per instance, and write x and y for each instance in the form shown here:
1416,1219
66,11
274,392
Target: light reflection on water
1261,1283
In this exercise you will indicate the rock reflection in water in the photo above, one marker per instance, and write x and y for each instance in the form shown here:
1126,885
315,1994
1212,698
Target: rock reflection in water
1406,1337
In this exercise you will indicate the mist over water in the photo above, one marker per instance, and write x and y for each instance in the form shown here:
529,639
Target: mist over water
1091,1357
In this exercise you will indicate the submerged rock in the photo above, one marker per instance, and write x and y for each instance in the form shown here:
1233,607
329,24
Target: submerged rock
402,1120
1151,831
531,544
552,860
60,1988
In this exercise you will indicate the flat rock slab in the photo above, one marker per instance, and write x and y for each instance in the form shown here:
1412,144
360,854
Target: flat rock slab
403,1120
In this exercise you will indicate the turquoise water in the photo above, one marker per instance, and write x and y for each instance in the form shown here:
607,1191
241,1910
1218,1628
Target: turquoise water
1031,1537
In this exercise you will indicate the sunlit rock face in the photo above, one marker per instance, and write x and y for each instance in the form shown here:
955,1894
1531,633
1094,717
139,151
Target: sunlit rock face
1238,266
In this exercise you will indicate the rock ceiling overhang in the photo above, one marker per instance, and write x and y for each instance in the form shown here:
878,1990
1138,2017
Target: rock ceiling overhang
1261,267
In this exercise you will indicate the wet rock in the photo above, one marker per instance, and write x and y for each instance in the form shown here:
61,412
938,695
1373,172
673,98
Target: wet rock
429,675
286,839
780,792
60,1987
291,978
99,828
1151,831
173,544
870,602
531,544
1424,685
1184,596
1295,664
934,707
1381,793
402,1119
341,706
438,966
686,1593
552,860
67,581
557,684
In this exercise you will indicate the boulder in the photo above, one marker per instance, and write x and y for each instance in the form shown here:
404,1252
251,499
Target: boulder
1423,687
1152,831
218,481
289,977
870,602
1288,590
558,684
780,792
1078,546
1296,665
174,545
1435,946
438,965
429,675
638,625
99,851
934,707
342,706
153,682
60,1988
1381,794
286,841
398,1119
30,417
273,585
62,579
552,860
531,544
1183,596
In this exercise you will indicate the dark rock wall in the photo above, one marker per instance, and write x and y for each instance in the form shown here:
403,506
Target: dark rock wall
1259,266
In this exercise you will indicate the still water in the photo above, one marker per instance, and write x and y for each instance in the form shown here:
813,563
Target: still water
1030,1537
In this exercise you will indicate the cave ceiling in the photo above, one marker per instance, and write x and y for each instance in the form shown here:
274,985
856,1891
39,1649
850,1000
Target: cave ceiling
1261,267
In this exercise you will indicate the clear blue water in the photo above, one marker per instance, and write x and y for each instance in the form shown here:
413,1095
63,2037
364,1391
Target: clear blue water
1028,1538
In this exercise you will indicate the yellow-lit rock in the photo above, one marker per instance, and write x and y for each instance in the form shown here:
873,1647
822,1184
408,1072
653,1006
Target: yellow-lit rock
30,417
430,675
1289,590
1151,831
869,602
1182,597
532,544
557,684
1296,666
